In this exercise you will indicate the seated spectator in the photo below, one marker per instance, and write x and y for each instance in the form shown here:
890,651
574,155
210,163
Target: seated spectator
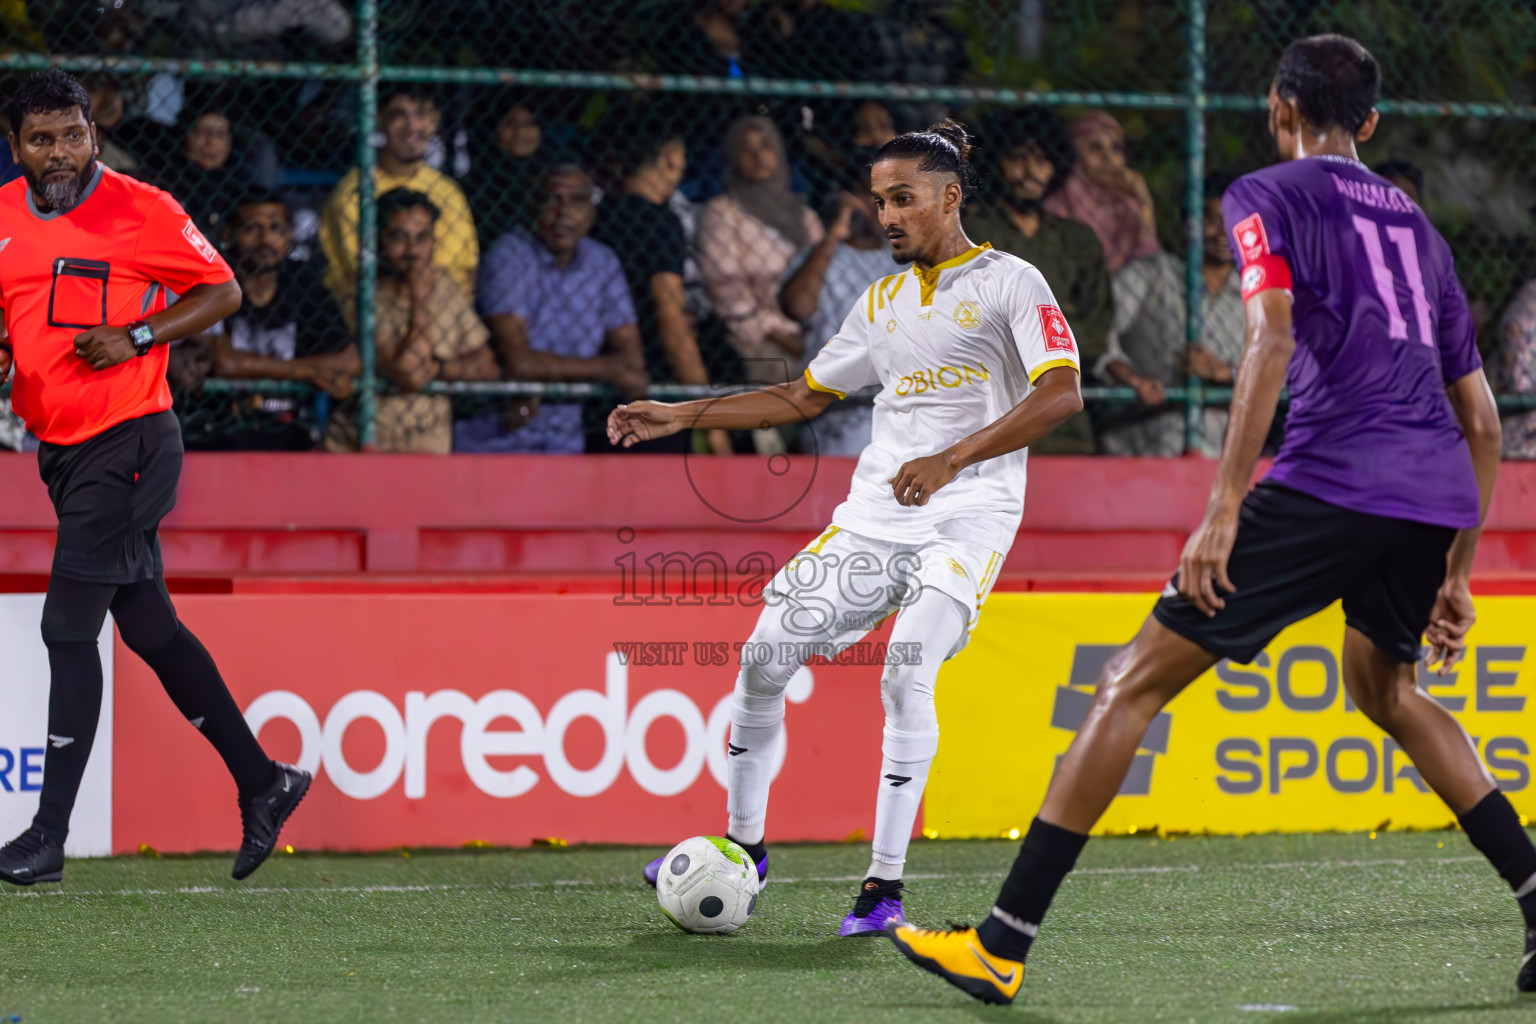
747,238
288,328
409,120
1033,158
1515,369
506,165
846,140
205,177
1215,357
425,330
1105,194
639,226
827,282
107,110
1405,175
560,311
1148,350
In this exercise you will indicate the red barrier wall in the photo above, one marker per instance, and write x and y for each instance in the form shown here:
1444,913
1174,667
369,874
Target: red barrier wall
239,515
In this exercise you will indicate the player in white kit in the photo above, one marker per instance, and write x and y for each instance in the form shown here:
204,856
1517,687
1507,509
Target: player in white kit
975,362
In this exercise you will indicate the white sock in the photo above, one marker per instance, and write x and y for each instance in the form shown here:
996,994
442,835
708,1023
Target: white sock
748,775
936,623
903,775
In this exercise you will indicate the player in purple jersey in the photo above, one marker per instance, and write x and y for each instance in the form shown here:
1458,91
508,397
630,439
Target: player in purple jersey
1376,498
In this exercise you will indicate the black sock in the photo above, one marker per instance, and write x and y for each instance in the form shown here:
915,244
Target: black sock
1047,856
73,613
74,707
1495,829
148,624
757,851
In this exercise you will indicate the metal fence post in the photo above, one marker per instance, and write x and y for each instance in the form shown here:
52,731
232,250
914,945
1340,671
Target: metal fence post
1194,219
367,219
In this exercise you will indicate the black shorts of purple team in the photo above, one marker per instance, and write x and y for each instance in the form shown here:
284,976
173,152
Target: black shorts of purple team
1295,555
110,492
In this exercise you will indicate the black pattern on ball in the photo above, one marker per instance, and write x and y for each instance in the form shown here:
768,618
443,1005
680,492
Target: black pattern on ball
711,906
752,906
679,863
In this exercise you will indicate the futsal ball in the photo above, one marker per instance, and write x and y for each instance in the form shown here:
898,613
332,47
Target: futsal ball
707,886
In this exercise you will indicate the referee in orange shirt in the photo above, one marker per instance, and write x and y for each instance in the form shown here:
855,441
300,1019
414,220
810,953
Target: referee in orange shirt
98,274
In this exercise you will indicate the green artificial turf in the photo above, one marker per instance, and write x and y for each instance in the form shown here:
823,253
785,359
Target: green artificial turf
1336,928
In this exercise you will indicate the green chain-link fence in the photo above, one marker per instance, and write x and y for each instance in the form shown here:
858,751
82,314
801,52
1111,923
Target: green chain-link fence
474,224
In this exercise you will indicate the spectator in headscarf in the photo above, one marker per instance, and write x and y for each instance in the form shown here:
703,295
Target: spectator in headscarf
206,177
747,238
1105,194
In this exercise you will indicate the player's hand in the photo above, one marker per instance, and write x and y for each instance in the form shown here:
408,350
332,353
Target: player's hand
1203,565
6,360
1449,621
105,346
915,483
630,424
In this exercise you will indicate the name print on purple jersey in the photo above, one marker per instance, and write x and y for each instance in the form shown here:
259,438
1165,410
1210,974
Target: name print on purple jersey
1383,197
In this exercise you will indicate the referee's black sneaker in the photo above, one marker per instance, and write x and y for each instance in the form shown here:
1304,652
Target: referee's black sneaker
32,857
1526,981
262,816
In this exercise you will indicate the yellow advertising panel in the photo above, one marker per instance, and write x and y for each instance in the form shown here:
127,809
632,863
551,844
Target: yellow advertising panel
1275,745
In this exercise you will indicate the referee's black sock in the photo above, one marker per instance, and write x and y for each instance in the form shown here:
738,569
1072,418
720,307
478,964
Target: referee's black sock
1045,859
73,613
1495,829
148,624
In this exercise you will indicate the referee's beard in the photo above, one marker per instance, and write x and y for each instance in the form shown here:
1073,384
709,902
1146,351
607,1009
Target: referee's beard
59,195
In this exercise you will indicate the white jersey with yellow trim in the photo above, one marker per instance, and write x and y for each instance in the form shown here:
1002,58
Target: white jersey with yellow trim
953,349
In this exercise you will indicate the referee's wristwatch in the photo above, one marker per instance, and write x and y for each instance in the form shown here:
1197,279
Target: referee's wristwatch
142,335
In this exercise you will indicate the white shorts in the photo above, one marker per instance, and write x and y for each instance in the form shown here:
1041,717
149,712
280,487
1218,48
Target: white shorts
843,584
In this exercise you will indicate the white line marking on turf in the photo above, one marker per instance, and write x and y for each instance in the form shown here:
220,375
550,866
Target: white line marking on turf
1267,1007
257,890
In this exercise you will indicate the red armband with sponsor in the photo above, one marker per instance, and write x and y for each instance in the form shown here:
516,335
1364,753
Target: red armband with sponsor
1261,269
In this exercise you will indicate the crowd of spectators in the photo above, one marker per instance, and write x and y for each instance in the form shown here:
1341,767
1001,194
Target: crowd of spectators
687,238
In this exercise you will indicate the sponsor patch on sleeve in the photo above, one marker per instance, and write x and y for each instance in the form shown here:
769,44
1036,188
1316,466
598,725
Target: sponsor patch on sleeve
195,239
1262,269
1053,326
1252,240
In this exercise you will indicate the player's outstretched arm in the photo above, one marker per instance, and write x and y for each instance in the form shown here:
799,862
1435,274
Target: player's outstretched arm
1453,614
774,406
200,308
1267,350
1055,397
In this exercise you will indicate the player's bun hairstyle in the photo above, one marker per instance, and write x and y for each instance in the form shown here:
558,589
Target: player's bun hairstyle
1333,79
43,93
944,147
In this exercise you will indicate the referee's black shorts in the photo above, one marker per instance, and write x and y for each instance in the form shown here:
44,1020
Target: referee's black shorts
110,493
1296,554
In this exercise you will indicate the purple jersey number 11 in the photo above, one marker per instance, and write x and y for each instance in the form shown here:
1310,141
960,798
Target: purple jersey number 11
1407,252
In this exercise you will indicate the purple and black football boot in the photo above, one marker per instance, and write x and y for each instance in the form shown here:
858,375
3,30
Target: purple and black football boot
878,904
757,851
